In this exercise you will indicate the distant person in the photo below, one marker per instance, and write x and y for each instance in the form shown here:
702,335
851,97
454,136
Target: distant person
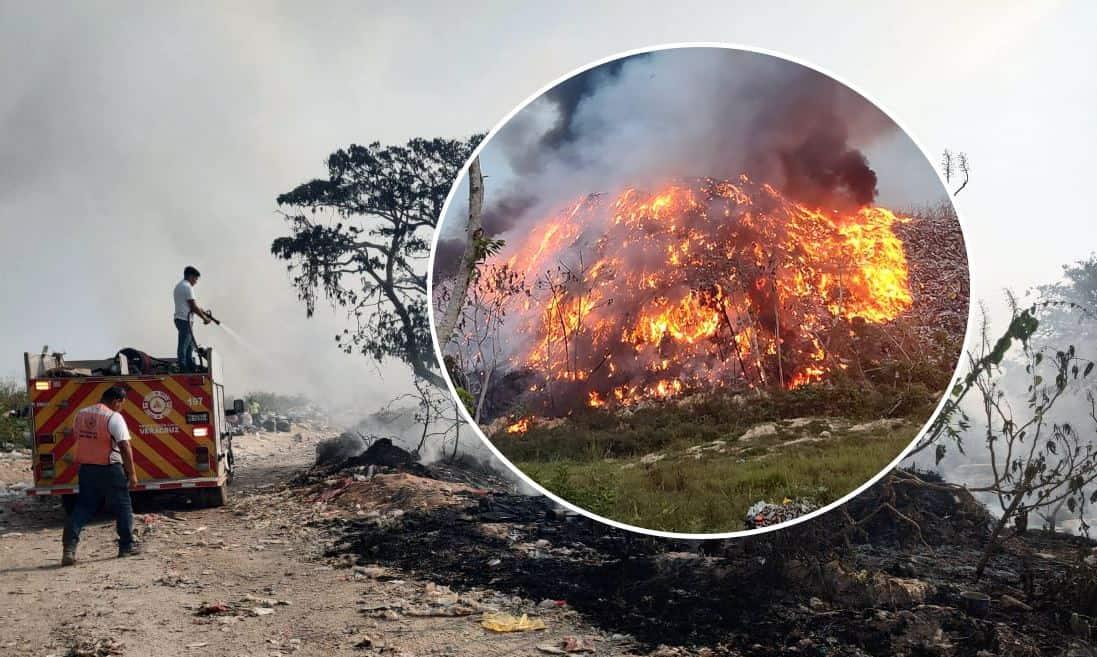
185,306
105,458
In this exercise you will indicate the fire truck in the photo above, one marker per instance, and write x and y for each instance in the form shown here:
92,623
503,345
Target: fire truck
177,422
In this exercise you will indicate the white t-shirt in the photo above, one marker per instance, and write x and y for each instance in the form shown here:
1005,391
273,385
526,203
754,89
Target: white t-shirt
120,432
184,293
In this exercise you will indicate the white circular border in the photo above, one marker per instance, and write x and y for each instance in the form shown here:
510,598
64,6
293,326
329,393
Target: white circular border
440,355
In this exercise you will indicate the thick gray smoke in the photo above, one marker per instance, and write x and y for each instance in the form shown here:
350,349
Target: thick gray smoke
972,465
685,113
138,142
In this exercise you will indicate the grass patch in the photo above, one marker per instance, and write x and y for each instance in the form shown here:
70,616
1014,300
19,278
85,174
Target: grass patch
712,494
591,434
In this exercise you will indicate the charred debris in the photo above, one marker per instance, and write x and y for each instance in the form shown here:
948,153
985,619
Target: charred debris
891,572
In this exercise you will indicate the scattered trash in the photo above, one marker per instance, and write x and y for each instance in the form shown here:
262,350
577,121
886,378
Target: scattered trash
567,645
213,609
96,648
504,622
764,514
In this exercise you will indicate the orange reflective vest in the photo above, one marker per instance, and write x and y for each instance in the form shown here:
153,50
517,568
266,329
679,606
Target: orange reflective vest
93,440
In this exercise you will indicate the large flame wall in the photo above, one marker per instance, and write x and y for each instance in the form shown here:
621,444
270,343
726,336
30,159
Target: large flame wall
702,283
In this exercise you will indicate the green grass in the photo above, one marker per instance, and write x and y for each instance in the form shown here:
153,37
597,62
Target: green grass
591,434
712,494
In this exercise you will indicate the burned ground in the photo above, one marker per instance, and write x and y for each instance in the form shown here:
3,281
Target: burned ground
392,561
813,589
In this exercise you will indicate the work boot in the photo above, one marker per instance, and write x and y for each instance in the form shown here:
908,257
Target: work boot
134,549
68,547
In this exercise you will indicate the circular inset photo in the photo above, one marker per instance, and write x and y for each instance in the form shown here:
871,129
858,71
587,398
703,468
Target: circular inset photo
699,291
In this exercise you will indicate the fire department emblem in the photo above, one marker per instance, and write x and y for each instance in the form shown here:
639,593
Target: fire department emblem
156,404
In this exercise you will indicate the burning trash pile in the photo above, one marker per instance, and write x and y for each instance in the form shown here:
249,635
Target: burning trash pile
726,283
766,514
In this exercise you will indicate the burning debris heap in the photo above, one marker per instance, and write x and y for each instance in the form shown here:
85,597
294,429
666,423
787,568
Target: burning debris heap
705,283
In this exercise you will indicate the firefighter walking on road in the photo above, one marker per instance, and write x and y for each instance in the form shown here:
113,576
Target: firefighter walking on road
102,450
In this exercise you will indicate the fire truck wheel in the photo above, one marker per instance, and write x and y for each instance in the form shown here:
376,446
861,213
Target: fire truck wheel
231,461
215,497
68,503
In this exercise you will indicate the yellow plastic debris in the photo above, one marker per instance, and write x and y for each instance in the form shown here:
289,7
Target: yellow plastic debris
503,622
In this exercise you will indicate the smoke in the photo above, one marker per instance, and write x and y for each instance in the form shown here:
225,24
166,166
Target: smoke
684,113
117,175
823,165
970,462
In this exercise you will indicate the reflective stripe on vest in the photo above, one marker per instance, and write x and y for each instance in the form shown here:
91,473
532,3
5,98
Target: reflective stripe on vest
91,429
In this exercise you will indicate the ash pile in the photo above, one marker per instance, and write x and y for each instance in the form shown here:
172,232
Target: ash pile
363,456
889,573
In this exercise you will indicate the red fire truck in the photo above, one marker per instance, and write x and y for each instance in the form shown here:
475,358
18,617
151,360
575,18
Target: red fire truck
180,437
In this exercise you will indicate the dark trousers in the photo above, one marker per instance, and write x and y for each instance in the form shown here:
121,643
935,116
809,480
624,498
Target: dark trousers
98,483
184,351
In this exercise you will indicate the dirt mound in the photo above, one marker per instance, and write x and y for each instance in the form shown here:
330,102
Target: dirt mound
397,493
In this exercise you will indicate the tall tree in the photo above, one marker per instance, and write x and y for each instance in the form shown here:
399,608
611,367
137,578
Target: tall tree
360,239
473,236
1072,303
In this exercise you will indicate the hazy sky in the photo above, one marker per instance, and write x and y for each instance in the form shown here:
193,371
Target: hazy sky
137,138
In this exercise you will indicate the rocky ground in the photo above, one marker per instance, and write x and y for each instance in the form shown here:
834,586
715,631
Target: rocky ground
250,578
770,439
383,557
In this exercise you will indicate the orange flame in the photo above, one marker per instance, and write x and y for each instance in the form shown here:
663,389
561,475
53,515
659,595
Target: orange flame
698,285
521,426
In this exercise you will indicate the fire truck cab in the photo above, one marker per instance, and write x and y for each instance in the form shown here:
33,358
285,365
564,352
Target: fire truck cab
177,424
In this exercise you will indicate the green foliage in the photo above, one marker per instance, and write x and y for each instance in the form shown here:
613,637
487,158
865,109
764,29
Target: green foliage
360,238
13,397
467,399
594,493
485,247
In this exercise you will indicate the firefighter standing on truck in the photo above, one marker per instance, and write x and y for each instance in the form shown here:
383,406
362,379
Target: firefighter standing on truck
102,450
185,305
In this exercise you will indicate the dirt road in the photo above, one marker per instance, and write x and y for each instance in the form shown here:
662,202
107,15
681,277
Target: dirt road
247,579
